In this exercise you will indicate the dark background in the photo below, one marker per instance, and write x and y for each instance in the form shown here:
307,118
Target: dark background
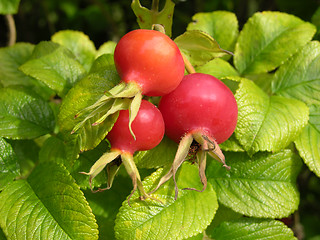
104,20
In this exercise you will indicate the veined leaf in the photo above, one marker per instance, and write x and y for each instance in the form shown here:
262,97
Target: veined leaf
189,215
9,6
102,77
299,78
9,167
214,23
309,141
55,66
146,18
52,201
24,114
260,186
268,39
199,47
251,229
79,44
267,123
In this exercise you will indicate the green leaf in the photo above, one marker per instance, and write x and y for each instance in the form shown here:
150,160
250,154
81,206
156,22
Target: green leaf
9,167
268,39
9,6
52,201
299,77
189,215
214,23
199,47
54,150
309,141
55,66
146,18
232,144
84,163
24,115
161,155
218,68
79,44
27,152
260,186
2,236
252,229
106,48
267,123
11,59
105,205
315,19
223,214
102,77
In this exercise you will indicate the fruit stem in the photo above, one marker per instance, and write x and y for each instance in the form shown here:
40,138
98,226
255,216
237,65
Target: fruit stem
128,162
188,65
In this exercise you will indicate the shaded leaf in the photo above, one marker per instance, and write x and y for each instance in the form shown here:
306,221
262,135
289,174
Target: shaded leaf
252,229
309,141
9,167
189,215
24,115
161,155
27,152
53,201
105,205
267,123
268,39
260,186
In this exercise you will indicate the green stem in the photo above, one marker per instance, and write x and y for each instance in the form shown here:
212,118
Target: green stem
128,162
155,5
12,29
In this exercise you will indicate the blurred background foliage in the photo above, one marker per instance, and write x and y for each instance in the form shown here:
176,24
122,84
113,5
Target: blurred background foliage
106,20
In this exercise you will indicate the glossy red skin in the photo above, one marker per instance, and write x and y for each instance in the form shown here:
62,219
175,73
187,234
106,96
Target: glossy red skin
200,103
151,59
148,127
